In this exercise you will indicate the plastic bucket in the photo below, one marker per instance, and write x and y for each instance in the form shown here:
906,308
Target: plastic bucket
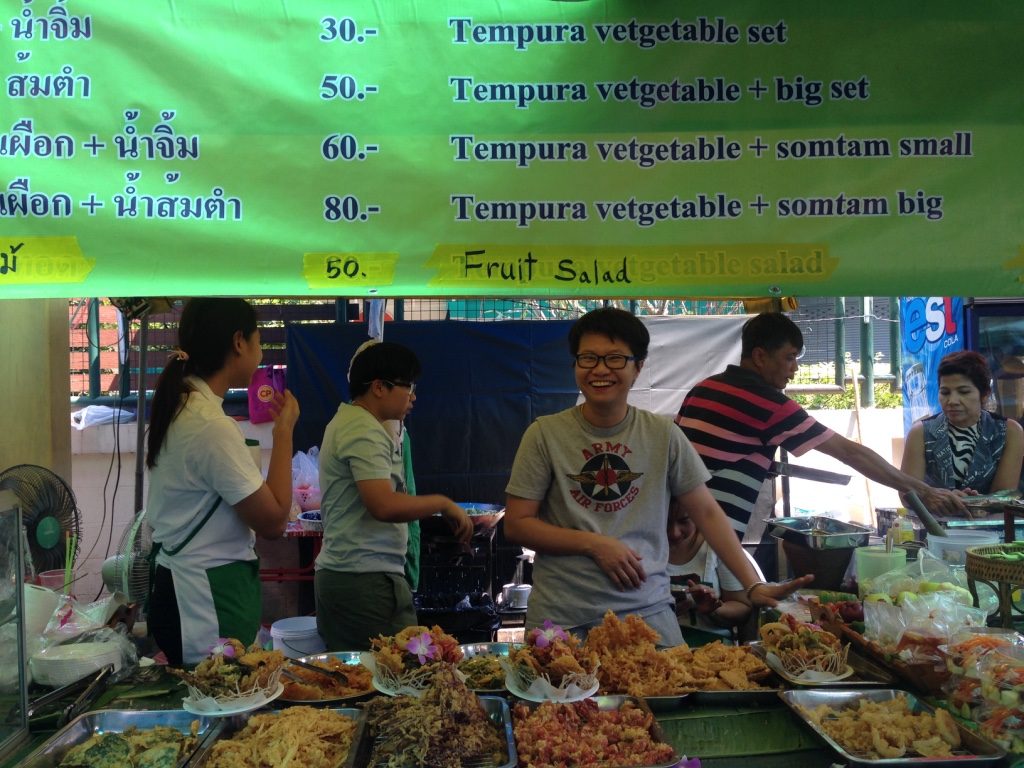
874,561
952,548
297,637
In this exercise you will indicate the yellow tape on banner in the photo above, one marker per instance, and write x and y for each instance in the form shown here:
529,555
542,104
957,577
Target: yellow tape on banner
28,259
1016,264
479,267
355,270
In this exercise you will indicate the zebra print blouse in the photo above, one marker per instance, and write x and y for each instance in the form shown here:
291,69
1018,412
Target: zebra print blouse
958,458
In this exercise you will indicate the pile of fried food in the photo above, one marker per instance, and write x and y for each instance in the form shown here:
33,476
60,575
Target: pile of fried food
631,663
801,646
142,748
445,727
887,729
232,671
305,684
554,735
296,737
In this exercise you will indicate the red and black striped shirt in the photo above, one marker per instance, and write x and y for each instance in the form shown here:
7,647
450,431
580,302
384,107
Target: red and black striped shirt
737,421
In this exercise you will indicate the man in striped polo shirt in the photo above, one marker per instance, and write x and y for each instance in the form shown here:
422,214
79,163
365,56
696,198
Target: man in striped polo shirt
738,419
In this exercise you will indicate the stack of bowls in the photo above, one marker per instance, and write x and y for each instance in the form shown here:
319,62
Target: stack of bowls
64,664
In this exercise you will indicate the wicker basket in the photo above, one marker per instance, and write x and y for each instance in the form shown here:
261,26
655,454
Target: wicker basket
982,567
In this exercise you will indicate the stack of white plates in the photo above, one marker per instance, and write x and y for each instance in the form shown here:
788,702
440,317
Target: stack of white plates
63,664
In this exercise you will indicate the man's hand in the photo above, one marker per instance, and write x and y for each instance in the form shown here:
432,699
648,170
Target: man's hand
459,522
939,501
619,563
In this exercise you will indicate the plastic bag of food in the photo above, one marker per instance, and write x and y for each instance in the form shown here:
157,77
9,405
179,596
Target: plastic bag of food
923,576
306,479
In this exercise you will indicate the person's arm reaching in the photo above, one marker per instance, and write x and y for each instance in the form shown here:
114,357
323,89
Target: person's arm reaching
621,564
386,504
874,467
712,522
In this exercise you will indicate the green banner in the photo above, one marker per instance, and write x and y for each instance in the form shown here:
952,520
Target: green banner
511,148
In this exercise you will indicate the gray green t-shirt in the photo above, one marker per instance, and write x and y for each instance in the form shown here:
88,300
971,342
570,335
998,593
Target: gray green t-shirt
616,481
358,447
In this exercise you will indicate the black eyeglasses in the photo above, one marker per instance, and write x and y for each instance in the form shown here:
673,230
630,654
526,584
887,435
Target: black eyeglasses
612,362
410,385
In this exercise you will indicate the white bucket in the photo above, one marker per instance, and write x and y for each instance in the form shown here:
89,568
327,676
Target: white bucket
297,637
952,548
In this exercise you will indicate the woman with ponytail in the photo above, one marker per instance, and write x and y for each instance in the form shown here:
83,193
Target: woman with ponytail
207,498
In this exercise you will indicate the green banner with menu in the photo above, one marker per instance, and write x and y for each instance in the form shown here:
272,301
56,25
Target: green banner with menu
511,148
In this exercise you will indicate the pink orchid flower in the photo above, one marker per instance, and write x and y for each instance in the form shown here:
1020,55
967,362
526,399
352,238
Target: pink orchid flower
222,648
422,647
547,633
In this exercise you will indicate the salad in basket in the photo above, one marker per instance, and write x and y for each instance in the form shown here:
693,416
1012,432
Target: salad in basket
404,663
232,676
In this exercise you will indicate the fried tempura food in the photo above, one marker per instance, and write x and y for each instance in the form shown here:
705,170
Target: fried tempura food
887,729
631,663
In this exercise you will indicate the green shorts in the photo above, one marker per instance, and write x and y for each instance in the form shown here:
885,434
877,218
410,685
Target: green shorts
353,608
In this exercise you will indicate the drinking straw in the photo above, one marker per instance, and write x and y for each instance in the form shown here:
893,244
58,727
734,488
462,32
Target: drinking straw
69,547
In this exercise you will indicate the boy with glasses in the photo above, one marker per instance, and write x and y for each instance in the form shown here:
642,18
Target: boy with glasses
360,584
590,491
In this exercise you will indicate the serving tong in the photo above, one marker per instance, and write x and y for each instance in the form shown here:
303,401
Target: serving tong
90,687
341,677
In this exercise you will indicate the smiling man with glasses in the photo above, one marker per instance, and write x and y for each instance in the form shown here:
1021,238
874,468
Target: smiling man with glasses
360,584
590,491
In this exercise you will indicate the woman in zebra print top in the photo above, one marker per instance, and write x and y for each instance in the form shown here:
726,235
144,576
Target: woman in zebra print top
965,448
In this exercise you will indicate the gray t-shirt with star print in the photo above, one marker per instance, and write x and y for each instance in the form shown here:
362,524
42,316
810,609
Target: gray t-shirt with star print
616,481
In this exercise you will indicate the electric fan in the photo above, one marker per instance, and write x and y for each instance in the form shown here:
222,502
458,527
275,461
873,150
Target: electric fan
128,571
49,513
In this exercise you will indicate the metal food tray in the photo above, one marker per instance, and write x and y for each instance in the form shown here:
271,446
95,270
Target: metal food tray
472,650
817,532
498,713
616,702
974,750
51,752
235,724
347,657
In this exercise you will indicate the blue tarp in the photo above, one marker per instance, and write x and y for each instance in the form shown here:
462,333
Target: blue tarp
482,385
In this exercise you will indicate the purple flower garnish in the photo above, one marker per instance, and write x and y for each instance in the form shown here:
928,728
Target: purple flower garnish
547,633
422,647
222,648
